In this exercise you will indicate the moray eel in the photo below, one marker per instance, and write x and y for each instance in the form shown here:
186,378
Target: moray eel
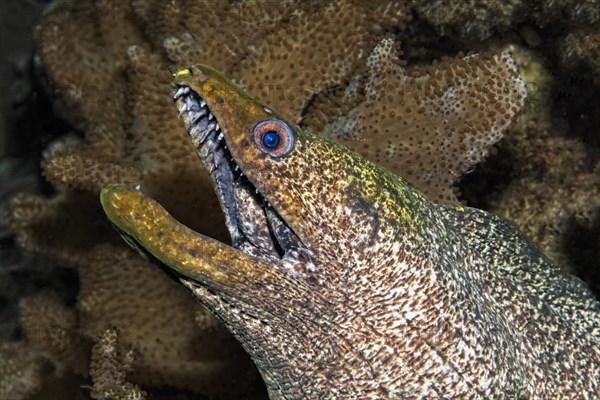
344,281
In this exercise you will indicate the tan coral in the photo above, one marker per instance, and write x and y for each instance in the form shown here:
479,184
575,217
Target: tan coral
583,47
87,81
471,18
109,366
556,188
188,29
305,57
68,162
21,371
483,18
51,327
108,64
64,226
430,125
175,340
154,316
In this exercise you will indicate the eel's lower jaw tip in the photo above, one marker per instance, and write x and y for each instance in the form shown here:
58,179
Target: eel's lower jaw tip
112,195
110,190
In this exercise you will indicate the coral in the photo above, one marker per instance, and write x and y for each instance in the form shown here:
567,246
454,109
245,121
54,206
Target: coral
106,65
431,125
171,349
18,176
558,186
51,327
470,18
305,58
174,341
21,371
583,47
110,363
482,18
64,226
552,191
577,11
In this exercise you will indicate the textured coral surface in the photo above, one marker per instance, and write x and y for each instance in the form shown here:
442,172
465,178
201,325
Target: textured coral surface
336,67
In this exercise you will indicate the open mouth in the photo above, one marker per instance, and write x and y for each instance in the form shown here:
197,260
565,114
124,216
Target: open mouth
254,225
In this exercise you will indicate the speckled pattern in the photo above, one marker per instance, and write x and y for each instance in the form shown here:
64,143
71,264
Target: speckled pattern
355,285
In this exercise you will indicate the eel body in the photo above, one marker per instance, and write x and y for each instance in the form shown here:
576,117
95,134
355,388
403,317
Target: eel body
343,281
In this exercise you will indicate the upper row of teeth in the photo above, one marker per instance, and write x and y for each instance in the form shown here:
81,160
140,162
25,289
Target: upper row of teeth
181,91
195,113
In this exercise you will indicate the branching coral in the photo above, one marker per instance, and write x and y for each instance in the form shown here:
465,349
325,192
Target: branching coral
21,371
63,227
430,125
174,341
109,366
482,18
333,66
471,18
51,327
305,57
171,348
583,47
146,145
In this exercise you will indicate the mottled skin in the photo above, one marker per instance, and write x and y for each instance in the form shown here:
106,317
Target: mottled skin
373,291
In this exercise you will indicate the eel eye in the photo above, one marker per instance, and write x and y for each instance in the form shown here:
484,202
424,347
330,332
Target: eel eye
274,137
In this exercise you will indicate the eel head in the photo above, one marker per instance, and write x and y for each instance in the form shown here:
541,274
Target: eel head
325,246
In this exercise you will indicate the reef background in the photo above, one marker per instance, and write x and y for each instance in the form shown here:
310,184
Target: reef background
60,335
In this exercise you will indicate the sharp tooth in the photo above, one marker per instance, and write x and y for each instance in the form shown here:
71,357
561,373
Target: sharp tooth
210,127
196,116
180,92
193,106
202,103
217,127
183,109
194,132
220,136
204,136
191,122
210,116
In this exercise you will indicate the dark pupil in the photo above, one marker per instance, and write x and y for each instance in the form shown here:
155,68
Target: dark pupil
271,139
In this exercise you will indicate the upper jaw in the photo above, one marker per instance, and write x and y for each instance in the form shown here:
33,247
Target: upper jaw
209,142
254,225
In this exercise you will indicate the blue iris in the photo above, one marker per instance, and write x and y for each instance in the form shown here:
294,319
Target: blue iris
271,139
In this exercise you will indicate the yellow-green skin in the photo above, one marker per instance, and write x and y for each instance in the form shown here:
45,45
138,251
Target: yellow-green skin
396,298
